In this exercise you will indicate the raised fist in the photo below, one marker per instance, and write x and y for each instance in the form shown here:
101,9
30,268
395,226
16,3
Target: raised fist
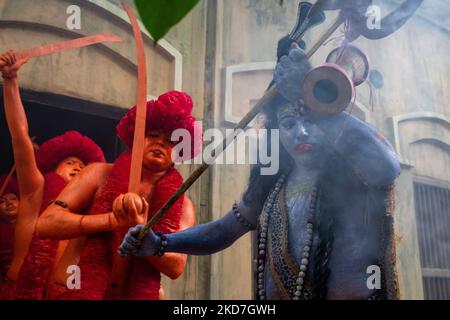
10,63
129,210
290,72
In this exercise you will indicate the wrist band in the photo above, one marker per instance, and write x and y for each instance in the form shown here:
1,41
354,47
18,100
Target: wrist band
9,76
59,203
162,244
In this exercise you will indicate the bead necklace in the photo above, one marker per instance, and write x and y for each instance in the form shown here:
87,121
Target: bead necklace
263,235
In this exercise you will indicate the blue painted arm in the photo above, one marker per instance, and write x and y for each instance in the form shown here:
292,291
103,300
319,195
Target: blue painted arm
364,148
203,239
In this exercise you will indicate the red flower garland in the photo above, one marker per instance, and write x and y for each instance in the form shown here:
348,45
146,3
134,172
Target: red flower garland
145,282
38,263
6,246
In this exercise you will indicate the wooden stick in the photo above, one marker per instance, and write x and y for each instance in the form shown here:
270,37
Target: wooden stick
137,153
241,125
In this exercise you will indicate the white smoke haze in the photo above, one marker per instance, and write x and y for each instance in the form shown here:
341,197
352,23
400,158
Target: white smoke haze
248,147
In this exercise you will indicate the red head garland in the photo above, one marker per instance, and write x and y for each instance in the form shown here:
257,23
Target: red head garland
71,143
12,187
171,111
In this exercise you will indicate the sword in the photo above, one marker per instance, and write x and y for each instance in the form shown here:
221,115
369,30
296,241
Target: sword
121,265
65,45
141,107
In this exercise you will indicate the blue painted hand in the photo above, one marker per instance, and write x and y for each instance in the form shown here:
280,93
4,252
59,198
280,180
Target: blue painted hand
290,72
146,247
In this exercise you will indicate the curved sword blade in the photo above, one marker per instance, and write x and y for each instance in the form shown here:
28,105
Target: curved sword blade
141,107
68,45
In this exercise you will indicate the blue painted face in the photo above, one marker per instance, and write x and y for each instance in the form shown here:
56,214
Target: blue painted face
301,138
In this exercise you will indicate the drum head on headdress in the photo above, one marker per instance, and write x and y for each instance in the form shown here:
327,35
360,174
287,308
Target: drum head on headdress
328,89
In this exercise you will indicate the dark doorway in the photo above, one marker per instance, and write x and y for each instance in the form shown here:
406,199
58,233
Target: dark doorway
50,115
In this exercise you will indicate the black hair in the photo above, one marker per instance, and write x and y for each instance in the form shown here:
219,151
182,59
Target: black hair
259,185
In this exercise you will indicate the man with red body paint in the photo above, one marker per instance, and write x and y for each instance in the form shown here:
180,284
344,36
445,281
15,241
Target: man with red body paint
41,176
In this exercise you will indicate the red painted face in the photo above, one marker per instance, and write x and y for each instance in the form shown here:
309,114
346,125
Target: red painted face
9,205
157,151
69,168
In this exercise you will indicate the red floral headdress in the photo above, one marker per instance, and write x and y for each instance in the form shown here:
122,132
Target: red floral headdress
12,187
171,111
71,143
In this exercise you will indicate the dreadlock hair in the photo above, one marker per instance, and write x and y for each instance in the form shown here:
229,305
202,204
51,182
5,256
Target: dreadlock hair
259,187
